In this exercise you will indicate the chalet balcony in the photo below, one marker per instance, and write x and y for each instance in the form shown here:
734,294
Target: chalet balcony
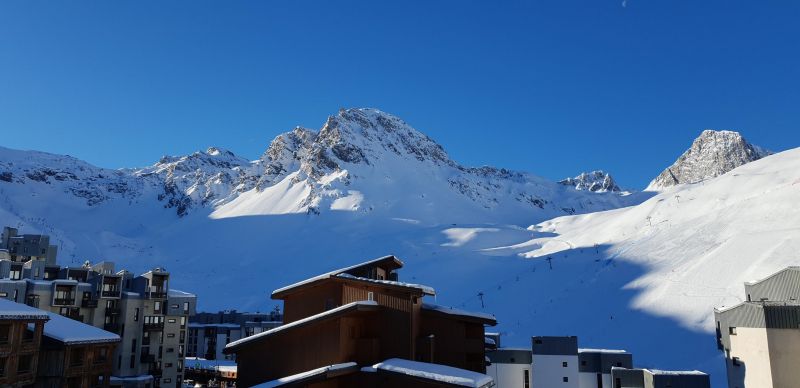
110,311
63,301
110,294
89,303
157,295
154,326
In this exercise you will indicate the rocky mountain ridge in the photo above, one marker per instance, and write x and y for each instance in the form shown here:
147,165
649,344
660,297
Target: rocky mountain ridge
712,154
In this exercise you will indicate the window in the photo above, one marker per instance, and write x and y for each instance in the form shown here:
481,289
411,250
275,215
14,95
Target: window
133,345
171,320
3,361
3,294
174,306
15,274
732,330
182,338
100,355
76,357
133,360
583,362
185,307
370,296
167,381
28,335
183,321
170,335
157,306
565,379
617,383
168,365
5,334
136,314
170,350
36,271
25,364
619,364
526,379
564,364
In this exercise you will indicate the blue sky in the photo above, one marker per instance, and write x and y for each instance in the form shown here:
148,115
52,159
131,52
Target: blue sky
550,87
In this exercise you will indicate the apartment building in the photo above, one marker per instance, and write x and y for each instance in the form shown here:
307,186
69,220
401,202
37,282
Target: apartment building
209,333
21,248
150,317
760,337
652,378
360,326
595,366
19,346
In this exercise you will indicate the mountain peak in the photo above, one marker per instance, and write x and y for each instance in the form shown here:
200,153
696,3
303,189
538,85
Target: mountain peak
712,154
597,181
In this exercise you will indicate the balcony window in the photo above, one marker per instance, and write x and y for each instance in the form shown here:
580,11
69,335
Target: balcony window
25,364
100,355
28,335
3,361
76,356
5,334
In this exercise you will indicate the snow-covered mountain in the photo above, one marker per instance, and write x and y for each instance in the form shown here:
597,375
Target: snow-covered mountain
361,160
596,181
712,154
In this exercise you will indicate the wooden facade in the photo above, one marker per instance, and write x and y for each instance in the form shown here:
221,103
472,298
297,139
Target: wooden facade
80,365
362,315
19,351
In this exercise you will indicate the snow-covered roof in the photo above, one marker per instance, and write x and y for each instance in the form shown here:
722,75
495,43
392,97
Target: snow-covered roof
202,363
335,272
13,310
488,318
425,289
335,369
675,372
178,293
325,314
439,373
70,331
613,351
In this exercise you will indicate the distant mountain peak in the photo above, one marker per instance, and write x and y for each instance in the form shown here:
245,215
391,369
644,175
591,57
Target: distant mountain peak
596,181
712,154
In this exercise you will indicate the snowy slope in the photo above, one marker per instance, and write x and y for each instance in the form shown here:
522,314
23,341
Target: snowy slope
712,154
685,251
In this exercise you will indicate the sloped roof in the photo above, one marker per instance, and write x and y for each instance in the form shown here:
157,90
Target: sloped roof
71,332
427,290
487,319
324,372
390,260
13,310
365,305
435,372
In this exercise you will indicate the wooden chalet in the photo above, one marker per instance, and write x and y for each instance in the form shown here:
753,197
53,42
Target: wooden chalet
19,346
74,354
340,326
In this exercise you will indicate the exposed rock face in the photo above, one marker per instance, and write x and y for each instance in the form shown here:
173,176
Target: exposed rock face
712,154
595,181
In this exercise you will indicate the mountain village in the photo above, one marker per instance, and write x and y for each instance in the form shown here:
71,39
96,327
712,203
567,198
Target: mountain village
68,322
